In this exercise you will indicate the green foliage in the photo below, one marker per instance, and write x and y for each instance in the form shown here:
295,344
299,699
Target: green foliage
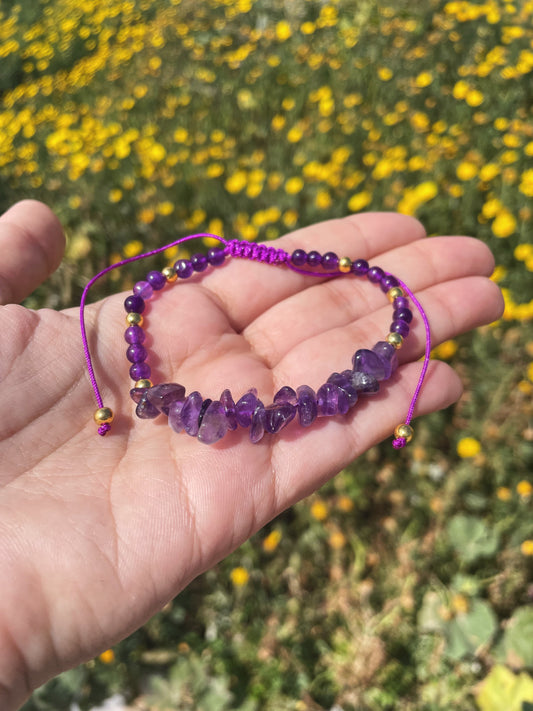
471,538
516,648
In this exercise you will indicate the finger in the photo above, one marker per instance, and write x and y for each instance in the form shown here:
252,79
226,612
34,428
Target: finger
247,289
339,302
306,460
32,244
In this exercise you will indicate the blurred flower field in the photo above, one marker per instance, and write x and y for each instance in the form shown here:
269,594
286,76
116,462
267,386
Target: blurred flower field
407,582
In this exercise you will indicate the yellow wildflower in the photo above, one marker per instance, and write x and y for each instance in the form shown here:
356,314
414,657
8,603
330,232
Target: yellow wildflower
165,208
446,350
524,489
323,199
337,540
345,504
107,657
384,73
133,248
271,542
504,225
239,577
283,30
466,170
236,182
295,134
527,547
115,195
468,447
294,185
503,493
526,184
319,509
474,97
423,79
146,215
278,121
359,201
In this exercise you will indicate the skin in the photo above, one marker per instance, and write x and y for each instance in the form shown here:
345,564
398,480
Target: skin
98,533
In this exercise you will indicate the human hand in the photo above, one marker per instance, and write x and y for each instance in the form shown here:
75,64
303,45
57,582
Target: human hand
97,534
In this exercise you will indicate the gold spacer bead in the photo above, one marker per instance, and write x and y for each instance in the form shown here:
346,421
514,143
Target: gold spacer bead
133,319
395,292
103,415
170,274
143,383
405,432
345,265
395,340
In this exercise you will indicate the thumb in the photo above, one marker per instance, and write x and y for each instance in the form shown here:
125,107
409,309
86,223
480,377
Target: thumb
31,244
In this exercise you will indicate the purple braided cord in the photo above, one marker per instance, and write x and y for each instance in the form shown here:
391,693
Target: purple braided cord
400,441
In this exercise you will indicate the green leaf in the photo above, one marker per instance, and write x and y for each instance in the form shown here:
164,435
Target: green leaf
468,631
502,689
517,643
472,538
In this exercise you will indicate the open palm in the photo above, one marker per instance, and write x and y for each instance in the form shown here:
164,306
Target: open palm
96,534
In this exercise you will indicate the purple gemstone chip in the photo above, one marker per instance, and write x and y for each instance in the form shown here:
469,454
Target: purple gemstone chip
278,416
190,413
162,396
307,407
214,423
245,407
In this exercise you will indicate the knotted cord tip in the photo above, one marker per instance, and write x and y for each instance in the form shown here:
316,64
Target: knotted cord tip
104,429
399,442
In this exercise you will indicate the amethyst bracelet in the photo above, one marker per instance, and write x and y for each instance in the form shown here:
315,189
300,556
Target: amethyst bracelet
208,420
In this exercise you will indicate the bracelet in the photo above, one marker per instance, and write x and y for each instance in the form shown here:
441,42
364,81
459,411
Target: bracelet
208,420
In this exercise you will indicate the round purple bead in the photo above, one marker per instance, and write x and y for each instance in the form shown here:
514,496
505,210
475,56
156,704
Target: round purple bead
134,334
134,304
402,315
314,258
156,280
400,327
136,353
143,289
330,261
360,267
199,262
375,274
401,302
140,371
388,282
183,268
299,257
215,256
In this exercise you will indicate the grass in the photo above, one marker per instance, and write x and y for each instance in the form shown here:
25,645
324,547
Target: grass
406,582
